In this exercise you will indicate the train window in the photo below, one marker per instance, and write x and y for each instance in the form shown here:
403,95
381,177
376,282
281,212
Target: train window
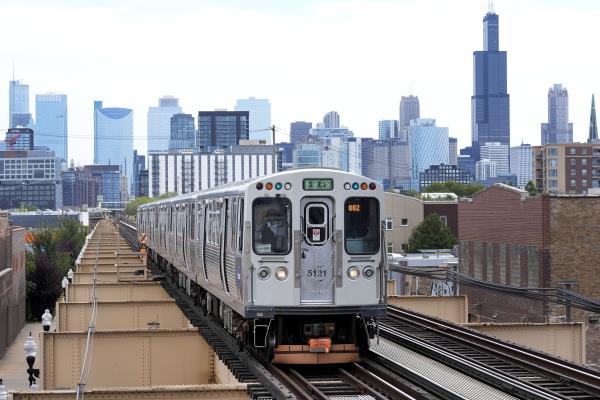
272,225
240,225
316,215
361,225
192,221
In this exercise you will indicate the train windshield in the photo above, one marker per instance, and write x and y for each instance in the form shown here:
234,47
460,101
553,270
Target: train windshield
361,225
272,225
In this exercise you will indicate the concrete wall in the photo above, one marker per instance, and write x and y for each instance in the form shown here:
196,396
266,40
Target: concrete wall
191,392
75,317
126,359
449,308
12,283
397,207
562,340
80,293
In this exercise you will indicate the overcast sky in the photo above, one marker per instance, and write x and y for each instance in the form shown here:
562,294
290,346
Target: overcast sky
307,56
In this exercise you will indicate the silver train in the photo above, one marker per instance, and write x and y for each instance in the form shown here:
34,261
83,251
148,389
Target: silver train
293,264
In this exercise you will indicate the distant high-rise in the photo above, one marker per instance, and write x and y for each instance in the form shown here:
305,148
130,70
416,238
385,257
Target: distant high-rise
485,169
521,164
218,129
159,122
331,120
18,105
388,128
490,103
51,123
183,132
387,161
558,129
299,130
429,145
139,165
19,139
409,110
113,138
593,137
260,118
453,151
499,153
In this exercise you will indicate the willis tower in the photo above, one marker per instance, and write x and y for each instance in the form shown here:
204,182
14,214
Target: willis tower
490,103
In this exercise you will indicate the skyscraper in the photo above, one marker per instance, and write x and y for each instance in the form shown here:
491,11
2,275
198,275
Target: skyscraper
51,123
388,128
331,120
558,129
521,164
499,153
409,110
139,165
453,149
218,129
299,130
593,136
260,118
113,138
490,103
429,145
18,105
159,122
183,132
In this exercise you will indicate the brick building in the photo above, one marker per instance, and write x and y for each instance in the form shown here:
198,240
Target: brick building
509,238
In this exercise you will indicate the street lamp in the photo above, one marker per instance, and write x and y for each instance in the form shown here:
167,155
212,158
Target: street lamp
65,283
46,320
70,275
30,353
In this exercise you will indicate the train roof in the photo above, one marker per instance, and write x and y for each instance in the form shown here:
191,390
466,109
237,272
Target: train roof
239,187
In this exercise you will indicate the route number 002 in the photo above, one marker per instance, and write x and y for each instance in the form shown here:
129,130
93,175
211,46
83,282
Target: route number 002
353,207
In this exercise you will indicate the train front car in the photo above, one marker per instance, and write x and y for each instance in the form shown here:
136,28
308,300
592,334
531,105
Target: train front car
316,276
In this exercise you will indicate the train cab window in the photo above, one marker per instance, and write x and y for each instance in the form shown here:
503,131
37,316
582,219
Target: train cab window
240,226
272,225
361,225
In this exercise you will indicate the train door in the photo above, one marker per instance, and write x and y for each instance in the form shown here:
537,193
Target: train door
317,249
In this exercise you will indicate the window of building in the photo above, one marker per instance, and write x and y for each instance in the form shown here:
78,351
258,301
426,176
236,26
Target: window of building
573,182
444,219
584,171
553,172
572,150
552,183
552,151
389,224
404,247
573,162
584,183
584,161
390,247
404,222
584,150
573,172
553,163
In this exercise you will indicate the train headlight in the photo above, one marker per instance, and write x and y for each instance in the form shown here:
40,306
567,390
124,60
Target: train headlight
281,273
353,273
368,272
264,272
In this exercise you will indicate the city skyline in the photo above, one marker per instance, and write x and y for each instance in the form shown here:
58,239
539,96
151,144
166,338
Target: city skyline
304,91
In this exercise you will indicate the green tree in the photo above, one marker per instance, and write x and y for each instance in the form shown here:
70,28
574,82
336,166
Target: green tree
530,187
431,233
131,207
460,189
54,251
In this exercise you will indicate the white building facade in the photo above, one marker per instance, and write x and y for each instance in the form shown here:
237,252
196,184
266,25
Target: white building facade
497,152
186,171
521,164
159,123
485,169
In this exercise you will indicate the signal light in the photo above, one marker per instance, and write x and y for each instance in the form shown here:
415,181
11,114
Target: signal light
269,186
355,186
347,186
372,186
278,186
364,186
288,186
259,186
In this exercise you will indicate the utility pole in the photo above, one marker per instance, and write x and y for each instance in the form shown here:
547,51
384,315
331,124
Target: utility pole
273,164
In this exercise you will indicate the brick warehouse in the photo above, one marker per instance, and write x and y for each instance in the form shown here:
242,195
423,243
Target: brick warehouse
508,237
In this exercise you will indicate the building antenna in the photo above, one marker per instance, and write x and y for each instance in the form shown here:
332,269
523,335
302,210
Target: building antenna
491,6
13,69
